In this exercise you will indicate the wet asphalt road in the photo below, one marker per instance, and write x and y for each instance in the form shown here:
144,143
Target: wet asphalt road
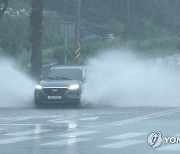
95,130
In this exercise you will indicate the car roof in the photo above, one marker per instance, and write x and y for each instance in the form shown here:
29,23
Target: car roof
68,67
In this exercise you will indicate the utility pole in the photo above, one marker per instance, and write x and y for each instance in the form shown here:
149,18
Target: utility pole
174,23
36,19
67,32
77,30
126,25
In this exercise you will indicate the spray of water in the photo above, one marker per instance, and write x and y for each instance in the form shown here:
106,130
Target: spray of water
119,79
16,89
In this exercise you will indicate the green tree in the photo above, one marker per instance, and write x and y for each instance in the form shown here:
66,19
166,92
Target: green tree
175,16
3,6
14,28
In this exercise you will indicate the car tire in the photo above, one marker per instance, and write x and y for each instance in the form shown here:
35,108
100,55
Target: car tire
38,104
77,104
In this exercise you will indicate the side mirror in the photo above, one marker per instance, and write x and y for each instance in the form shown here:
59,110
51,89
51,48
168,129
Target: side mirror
86,74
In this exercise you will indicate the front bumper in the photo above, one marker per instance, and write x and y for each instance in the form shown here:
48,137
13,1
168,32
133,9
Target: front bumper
56,95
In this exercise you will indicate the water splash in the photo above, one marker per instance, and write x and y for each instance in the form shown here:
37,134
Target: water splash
16,88
119,79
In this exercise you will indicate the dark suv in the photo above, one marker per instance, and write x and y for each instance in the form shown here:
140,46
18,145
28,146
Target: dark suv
60,85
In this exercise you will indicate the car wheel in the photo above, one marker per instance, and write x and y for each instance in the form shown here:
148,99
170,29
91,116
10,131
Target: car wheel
77,104
38,104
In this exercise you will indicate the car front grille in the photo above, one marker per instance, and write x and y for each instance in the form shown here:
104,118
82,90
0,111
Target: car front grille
55,91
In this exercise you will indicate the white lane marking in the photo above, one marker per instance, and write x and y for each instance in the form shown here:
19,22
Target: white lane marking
128,121
28,132
121,144
174,147
90,118
118,123
77,134
137,119
2,129
60,119
68,142
167,113
9,119
16,139
162,112
20,124
63,122
126,135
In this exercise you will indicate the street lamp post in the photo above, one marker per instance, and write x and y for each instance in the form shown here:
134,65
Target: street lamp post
67,32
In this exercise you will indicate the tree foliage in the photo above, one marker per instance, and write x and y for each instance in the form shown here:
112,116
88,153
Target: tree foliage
3,6
153,15
153,25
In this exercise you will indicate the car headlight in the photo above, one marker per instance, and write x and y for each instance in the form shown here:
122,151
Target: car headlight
74,87
39,87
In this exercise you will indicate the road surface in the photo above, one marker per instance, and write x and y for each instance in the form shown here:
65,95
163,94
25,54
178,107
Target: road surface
106,130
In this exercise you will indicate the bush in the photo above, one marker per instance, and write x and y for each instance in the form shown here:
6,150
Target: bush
1,51
24,58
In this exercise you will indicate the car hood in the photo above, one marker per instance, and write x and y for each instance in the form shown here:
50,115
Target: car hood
58,83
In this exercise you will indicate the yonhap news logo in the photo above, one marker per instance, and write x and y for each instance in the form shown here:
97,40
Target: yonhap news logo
155,139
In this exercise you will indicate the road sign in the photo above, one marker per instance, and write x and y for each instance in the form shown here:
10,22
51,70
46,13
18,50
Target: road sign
66,32
67,29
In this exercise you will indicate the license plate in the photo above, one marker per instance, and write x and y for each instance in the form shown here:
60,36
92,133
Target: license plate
54,97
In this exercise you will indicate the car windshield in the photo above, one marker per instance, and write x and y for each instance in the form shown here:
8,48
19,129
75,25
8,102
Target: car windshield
65,74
